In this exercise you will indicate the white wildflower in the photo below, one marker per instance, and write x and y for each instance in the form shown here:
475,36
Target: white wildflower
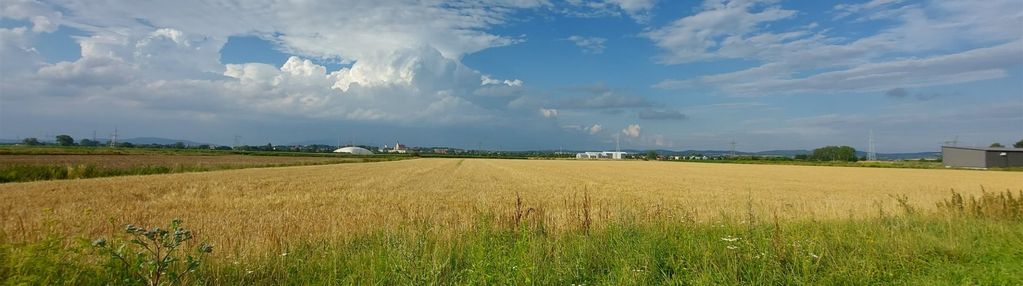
730,238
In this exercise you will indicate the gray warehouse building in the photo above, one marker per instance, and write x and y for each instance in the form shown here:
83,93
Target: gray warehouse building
970,157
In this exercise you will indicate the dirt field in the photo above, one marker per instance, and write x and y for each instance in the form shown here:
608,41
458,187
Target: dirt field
251,209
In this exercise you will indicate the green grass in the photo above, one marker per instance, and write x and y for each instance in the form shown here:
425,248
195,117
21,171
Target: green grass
30,172
80,150
36,172
933,249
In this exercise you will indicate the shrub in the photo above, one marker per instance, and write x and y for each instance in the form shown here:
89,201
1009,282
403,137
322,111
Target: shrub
152,256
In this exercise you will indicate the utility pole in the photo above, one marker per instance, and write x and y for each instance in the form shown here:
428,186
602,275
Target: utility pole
733,148
113,138
871,153
237,141
618,146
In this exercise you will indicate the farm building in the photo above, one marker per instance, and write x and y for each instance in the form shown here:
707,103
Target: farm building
970,157
354,151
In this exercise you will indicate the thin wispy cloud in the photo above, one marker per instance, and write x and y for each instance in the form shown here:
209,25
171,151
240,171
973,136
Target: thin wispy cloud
592,45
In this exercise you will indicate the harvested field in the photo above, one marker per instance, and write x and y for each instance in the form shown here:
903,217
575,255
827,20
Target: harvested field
250,211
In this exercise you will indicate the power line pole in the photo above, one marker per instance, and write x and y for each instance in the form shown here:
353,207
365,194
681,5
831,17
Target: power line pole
113,138
871,153
618,146
733,148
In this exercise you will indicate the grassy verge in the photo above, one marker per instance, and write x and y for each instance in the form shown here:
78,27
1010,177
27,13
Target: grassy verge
971,241
31,172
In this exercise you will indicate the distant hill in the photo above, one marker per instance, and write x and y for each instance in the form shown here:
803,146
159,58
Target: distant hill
314,142
788,153
158,140
907,156
136,140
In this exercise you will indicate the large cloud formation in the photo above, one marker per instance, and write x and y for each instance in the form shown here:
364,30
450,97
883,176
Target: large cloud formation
401,58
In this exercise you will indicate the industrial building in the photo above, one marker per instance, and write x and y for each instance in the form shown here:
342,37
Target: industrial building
600,155
973,157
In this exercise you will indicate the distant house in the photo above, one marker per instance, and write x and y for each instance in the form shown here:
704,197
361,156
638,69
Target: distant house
970,157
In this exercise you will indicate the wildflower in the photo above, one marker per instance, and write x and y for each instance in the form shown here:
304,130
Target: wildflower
284,254
732,247
814,256
206,248
730,238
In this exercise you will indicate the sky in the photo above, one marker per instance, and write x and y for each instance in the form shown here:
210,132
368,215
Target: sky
518,74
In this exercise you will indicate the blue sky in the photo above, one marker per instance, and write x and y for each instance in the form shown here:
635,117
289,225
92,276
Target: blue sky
518,74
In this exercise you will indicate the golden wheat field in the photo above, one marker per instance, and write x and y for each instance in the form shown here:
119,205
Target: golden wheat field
247,211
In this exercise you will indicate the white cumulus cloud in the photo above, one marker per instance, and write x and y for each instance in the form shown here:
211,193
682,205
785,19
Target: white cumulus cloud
632,131
549,113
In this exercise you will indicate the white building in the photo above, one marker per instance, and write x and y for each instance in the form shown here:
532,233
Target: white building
398,148
614,155
600,155
354,150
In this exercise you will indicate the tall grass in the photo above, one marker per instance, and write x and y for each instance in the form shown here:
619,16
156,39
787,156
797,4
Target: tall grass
951,245
1000,206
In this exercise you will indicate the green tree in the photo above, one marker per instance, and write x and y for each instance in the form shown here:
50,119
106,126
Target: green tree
31,141
87,142
651,155
1018,144
65,140
179,145
997,145
834,153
